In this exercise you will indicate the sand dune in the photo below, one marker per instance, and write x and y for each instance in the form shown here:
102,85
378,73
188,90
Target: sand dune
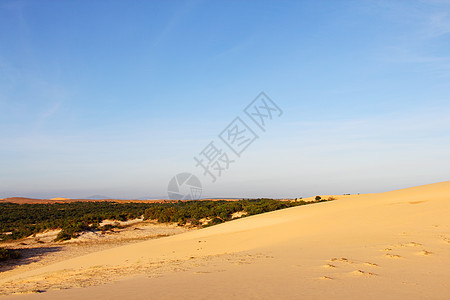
379,246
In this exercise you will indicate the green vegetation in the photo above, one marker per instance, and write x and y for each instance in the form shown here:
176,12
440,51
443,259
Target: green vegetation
72,230
22,220
6,254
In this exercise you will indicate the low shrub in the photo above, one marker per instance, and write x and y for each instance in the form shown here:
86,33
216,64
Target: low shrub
6,254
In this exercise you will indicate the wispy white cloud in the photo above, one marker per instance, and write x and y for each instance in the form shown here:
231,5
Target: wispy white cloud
418,128
420,28
175,21
50,111
436,24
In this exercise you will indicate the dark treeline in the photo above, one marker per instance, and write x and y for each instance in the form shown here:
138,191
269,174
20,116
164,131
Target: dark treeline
22,220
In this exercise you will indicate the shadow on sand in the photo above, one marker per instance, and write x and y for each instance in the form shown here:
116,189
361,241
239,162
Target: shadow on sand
28,256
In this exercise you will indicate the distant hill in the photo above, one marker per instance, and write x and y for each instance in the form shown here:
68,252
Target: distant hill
98,198
22,200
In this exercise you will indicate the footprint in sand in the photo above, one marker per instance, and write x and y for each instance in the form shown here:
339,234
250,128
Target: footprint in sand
445,239
414,244
425,253
341,260
329,266
371,264
417,202
395,256
201,272
410,244
363,273
325,278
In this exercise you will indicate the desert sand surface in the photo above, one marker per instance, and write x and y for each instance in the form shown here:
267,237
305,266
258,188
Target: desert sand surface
390,245
41,249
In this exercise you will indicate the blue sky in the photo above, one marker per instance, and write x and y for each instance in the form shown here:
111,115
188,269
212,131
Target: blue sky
116,97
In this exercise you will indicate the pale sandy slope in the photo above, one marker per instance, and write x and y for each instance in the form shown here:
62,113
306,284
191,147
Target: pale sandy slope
393,245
